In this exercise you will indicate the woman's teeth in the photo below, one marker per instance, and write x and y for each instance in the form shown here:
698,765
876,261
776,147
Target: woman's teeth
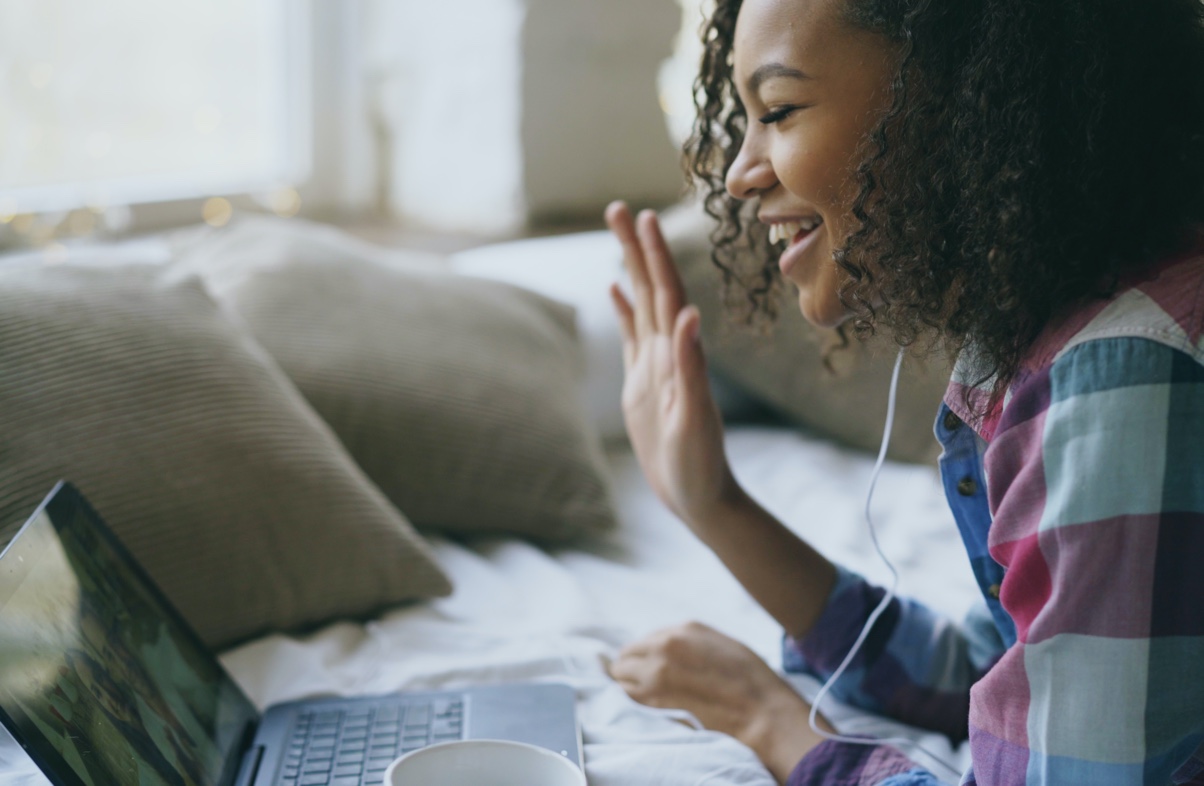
788,229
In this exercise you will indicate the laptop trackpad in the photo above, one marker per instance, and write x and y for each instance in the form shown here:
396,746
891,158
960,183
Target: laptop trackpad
543,715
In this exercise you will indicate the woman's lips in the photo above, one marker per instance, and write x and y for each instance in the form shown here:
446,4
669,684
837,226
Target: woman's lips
799,245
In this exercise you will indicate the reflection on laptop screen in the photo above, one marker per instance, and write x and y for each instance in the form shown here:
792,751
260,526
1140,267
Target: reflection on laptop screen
98,677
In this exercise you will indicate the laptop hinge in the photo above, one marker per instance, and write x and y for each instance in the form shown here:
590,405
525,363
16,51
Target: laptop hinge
250,767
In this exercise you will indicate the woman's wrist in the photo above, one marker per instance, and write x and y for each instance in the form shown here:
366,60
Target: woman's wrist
790,579
731,504
782,735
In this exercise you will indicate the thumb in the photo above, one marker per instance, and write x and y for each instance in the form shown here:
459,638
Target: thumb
688,356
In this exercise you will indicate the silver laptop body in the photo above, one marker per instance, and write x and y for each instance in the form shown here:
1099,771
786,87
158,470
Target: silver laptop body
103,683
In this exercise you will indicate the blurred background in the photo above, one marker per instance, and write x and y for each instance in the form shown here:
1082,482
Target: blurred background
478,119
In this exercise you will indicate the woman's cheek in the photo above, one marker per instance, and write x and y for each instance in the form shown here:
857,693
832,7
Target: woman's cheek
815,173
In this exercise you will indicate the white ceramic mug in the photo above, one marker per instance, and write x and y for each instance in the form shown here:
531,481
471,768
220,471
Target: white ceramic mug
483,763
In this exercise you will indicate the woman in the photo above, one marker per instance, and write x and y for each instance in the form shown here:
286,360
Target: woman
1023,181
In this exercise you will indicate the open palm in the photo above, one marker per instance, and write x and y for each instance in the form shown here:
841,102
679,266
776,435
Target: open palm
672,421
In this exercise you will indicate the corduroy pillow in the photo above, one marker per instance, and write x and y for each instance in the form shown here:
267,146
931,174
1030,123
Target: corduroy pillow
461,398
196,449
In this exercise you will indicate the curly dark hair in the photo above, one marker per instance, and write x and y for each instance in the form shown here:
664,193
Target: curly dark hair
1034,154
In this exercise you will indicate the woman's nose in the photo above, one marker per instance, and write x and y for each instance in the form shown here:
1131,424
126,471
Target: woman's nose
751,174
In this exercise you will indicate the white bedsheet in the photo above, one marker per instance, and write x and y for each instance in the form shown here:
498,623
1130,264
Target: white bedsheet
664,576
520,613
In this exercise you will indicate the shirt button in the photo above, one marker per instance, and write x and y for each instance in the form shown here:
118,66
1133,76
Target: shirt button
993,591
952,422
967,487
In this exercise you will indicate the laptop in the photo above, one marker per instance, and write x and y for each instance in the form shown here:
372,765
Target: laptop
103,683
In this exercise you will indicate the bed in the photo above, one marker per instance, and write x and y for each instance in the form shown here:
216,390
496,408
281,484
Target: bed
527,612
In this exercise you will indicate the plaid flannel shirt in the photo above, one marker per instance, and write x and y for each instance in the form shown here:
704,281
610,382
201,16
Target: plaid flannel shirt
1080,499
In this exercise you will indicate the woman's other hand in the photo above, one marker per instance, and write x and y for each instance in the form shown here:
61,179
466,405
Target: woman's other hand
726,686
672,420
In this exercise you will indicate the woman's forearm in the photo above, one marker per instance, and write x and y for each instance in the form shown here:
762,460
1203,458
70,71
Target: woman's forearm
789,578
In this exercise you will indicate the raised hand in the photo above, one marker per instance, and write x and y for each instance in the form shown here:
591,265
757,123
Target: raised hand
672,421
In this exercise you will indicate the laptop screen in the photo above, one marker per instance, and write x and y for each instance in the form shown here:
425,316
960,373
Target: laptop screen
100,680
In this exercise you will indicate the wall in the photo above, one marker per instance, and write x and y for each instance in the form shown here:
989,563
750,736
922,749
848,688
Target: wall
498,114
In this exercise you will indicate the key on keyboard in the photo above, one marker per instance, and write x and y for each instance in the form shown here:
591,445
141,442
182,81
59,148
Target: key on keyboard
354,747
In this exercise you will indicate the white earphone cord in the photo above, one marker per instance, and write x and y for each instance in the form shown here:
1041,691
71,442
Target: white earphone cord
882,605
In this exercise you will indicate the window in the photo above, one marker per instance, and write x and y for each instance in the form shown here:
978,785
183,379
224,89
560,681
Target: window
679,71
131,101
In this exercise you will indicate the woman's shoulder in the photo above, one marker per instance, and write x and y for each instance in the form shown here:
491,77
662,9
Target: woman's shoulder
1165,305
1146,338
1150,332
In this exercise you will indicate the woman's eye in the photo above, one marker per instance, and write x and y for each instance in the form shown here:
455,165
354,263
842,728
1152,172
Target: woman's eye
778,115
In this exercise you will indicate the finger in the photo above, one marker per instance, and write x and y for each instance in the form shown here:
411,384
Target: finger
634,669
618,218
667,291
654,644
626,324
623,669
636,649
635,690
689,359
642,695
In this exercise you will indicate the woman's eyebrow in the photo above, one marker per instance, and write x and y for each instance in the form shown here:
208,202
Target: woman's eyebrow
773,71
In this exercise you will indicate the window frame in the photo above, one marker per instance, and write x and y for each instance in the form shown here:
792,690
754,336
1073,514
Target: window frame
326,114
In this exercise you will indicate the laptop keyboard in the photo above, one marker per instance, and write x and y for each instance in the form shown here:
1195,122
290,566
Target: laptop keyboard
354,746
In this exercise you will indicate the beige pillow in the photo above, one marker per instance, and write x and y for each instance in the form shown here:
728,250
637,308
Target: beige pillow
202,457
785,368
461,398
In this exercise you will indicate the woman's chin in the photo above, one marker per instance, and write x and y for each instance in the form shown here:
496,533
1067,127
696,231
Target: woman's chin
822,312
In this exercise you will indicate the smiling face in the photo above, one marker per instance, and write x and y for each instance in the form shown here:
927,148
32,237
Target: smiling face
814,87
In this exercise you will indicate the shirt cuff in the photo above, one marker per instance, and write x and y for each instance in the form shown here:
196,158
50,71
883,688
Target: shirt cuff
845,611
833,763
